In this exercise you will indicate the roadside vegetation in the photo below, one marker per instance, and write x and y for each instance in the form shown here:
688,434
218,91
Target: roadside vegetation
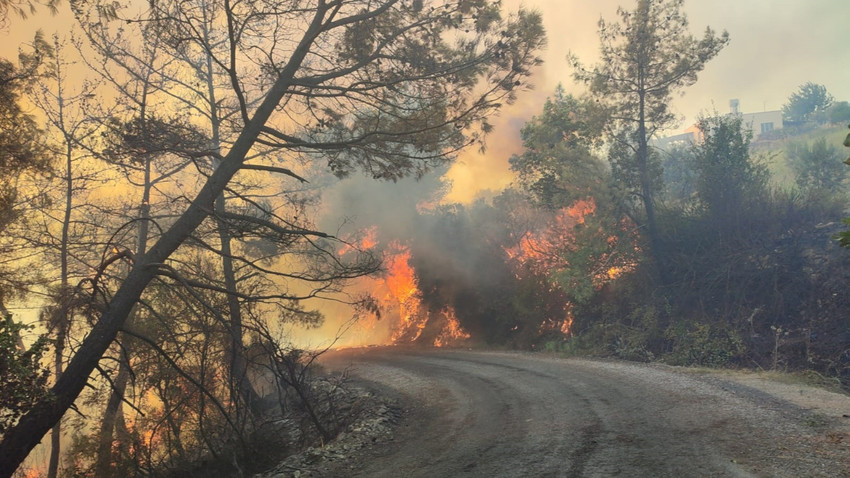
159,207
718,252
169,233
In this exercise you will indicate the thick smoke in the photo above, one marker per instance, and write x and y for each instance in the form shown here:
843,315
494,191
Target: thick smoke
387,211
458,253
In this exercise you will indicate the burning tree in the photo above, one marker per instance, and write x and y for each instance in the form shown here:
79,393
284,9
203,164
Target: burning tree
419,322
390,87
582,238
453,281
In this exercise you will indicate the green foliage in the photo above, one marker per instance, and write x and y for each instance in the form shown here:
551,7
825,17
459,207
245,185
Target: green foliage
734,250
614,340
679,175
438,102
24,379
649,54
23,8
566,346
22,150
594,251
704,344
625,319
809,103
557,165
586,233
843,237
634,336
21,144
728,179
645,58
839,112
818,167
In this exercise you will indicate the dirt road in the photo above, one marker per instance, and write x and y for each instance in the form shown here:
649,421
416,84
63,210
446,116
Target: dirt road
520,415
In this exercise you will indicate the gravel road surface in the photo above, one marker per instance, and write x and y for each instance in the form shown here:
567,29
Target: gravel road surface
480,414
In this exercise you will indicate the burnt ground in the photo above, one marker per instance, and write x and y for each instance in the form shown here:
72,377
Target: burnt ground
442,413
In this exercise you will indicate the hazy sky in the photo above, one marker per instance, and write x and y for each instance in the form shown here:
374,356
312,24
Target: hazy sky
776,45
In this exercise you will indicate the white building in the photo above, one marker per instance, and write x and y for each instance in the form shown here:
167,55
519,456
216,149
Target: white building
758,123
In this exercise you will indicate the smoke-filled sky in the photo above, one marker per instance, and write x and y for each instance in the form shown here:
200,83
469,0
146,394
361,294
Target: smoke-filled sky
776,45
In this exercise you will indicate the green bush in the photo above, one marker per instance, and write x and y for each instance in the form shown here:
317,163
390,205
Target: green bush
710,345
566,346
23,377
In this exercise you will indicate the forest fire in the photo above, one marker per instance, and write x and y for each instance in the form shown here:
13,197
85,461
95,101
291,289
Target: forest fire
452,331
579,210
449,275
404,297
365,243
574,239
557,246
401,302
544,250
559,325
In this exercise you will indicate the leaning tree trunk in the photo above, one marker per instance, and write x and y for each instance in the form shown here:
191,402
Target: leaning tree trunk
112,412
241,387
27,433
105,456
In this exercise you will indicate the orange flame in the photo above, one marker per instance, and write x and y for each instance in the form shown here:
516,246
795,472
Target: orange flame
548,248
404,297
540,251
33,473
368,241
452,332
401,280
579,210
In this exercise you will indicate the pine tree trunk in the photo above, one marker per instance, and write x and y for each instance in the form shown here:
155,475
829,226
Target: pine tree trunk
19,440
105,456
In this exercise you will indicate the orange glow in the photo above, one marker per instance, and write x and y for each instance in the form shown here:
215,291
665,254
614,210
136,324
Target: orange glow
365,243
615,272
148,438
452,332
540,249
403,301
33,473
567,323
400,280
580,209
403,296
428,205
547,249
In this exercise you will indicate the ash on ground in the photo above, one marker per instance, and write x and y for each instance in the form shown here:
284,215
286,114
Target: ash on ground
371,420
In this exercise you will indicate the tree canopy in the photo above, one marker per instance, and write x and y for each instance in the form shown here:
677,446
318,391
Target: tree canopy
818,166
728,179
392,88
809,102
645,57
557,165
